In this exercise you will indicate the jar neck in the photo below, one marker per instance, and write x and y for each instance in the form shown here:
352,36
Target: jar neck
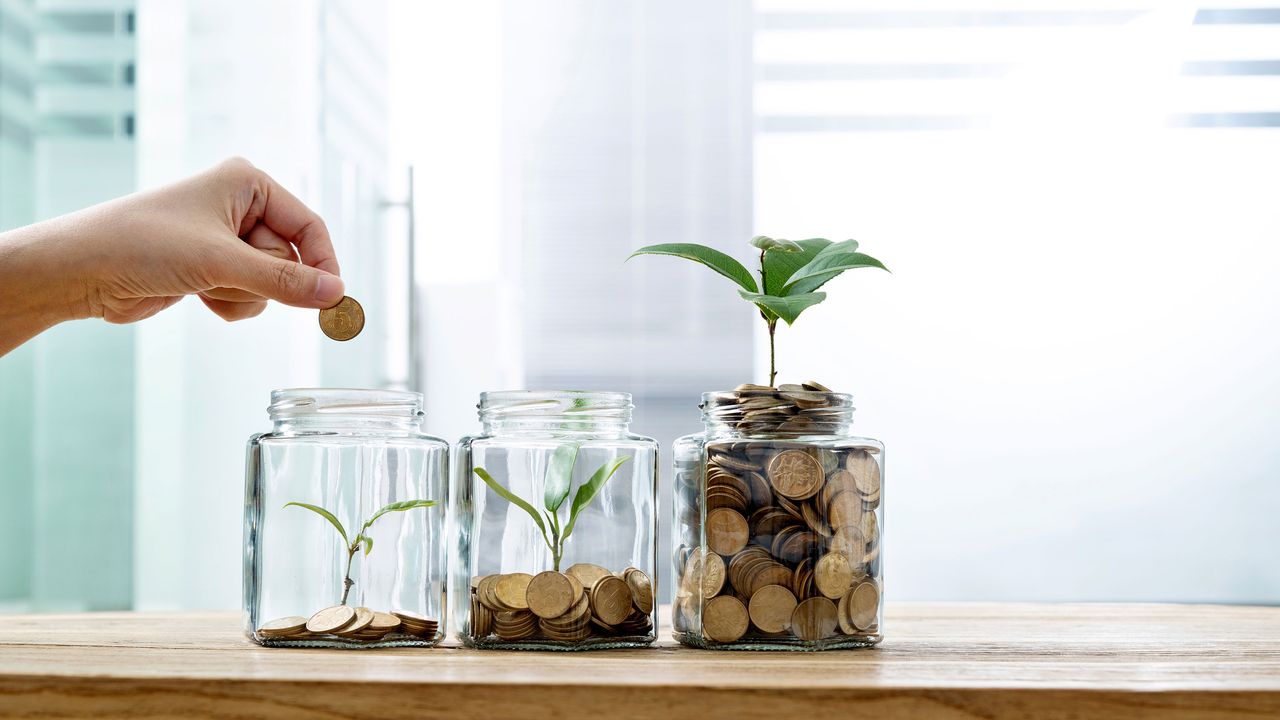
351,424
777,414
557,412
345,411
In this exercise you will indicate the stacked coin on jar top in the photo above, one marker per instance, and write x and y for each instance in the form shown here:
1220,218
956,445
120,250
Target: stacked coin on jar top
356,625
789,514
582,602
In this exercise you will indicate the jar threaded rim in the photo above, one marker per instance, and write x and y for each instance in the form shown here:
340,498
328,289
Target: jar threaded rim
294,403
563,409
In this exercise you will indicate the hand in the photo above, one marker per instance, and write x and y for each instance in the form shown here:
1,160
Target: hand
232,235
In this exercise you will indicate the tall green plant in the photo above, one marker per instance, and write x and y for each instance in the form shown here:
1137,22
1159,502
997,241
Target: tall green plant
556,483
790,274
361,539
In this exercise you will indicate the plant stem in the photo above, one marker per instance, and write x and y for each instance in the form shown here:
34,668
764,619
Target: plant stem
773,369
347,582
773,323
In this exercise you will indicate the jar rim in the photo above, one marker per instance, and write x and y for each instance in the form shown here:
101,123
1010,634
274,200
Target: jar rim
303,402
522,406
517,401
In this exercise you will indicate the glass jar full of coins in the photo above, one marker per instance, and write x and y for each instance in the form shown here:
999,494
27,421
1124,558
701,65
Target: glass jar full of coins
344,522
778,518
556,524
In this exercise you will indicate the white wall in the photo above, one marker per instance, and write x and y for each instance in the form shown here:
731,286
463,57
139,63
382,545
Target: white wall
1073,362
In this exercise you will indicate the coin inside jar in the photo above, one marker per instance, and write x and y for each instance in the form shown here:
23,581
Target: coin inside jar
511,590
845,510
641,589
795,474
281,627
704,575
343,321
771,607
727,531
863,605
814,619
832,575
550,594
331,619
362,620
865,471
587,573
611,599
385,622
725,619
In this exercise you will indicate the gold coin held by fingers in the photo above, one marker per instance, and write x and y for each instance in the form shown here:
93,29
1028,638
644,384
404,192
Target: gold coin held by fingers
342,321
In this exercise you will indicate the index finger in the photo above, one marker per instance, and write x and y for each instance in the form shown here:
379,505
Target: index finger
292,220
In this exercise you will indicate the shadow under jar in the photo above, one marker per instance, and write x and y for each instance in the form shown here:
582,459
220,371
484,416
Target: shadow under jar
344,522
778,518
557,524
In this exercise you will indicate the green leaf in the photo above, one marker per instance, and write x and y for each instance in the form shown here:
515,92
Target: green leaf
839,247
511,497
553,521
826,266
788,308
324,514
779,266
842,246
559,476
767,243
710,257
397,507
588,491
368,543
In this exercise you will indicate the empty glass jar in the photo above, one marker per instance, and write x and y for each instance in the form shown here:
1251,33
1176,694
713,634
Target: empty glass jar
344,522
778,520
556,522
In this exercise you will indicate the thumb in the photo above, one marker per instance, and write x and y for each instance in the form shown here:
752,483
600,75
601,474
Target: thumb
286,281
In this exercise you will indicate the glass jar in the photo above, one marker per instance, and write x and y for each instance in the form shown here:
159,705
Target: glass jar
345,505
778,520
556,523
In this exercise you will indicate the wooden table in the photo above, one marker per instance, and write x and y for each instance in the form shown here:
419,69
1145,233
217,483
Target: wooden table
939,661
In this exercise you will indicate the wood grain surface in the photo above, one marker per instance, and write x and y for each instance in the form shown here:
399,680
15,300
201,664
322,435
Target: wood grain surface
938,661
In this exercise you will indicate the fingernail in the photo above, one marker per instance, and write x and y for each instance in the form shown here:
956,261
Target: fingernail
329,289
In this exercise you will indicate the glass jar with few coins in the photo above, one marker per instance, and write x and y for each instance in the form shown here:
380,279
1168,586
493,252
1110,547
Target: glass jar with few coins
345,506
778,518
555,510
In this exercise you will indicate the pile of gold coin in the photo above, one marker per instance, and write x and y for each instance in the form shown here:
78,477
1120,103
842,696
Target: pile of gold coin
783,409
358,624
582,602
792,536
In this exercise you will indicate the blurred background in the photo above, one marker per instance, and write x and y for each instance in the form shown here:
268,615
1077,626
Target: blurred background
1073,364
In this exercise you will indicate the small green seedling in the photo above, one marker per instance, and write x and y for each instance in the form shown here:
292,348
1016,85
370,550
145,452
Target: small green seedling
790,273
361,539
555,491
